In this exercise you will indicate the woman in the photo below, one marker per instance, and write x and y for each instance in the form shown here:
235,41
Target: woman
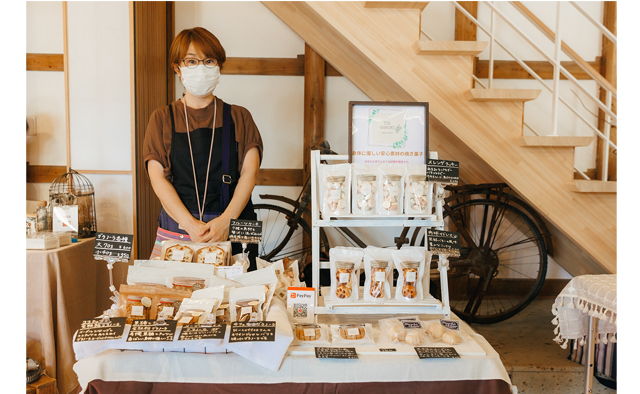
203,177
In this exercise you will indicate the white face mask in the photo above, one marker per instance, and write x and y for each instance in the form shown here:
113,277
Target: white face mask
200,81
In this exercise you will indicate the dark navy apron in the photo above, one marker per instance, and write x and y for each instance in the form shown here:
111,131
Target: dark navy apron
223,175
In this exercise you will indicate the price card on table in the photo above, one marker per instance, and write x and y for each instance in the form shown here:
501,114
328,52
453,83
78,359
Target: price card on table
247,231
192,332
388,350
149,331
451,324
262,331
437,352
116,246
336,352
96,330
446,172
443,242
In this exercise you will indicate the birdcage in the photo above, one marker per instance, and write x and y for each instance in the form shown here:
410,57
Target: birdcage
73,188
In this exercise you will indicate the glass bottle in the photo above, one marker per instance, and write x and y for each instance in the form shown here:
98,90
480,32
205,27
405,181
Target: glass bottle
42,217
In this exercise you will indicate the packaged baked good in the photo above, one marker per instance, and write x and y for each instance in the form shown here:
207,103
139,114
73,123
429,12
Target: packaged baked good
310,334
215,253
187,283
403,330
378,269
147,276
178,253
223,314
391,188
438,333
352,334
289,277
417,191
245,303
364,189
196,311
335,189
410,264
169,306
137,308
344,266
210,255
266,277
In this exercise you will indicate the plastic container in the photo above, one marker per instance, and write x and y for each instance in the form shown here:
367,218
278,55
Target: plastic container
42,217
416,193
391,190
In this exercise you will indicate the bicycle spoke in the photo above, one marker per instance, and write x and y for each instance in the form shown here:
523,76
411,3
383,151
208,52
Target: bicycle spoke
519,242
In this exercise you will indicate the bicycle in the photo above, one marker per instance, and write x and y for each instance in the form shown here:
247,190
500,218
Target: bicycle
486,283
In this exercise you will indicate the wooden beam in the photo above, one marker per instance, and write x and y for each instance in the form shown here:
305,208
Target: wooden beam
465,29
44,174
510,69
45,62
416,5
280,177
565,48
263,66
608,69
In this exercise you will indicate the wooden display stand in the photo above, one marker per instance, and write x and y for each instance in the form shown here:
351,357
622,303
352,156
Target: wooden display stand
44,385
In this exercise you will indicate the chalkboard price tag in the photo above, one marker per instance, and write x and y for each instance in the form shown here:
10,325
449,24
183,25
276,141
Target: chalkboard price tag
94,330
115,246
451,324
245,231
437,352
388,350
336,352
446,172
191,332
149,331
262,331
443,242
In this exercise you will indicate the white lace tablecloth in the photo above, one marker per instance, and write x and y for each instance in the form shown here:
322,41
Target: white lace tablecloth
585,296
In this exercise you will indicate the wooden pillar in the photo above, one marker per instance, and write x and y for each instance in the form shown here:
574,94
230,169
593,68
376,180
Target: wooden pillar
465,29
314,110
608,67
152,91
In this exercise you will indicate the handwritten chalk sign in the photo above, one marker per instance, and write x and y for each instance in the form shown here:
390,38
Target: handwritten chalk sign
262,331
115,246
436,352
443,242
451,324
336,352
191,332
149,331
95,330
446,172
388,350
245,231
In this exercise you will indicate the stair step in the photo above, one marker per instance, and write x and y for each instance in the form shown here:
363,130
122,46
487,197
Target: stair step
418,5
585,186
549,140
452,48
502,94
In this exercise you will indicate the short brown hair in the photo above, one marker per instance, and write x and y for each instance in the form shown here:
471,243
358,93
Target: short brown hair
202,39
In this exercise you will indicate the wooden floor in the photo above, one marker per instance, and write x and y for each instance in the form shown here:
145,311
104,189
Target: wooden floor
535,363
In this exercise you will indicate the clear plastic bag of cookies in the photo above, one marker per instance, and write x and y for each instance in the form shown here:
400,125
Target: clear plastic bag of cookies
438,333
364,189
196,311
352,334
410,264
403,330
344,266
310,334
245,303
137,307
266,277
378,269
335,189
391,189
417,191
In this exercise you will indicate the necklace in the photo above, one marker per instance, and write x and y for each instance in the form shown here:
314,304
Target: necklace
193,166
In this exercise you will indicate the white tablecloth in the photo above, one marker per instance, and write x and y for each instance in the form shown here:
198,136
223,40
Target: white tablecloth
585,296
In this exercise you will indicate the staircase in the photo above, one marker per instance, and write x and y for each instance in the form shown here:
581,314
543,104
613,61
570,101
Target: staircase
378,48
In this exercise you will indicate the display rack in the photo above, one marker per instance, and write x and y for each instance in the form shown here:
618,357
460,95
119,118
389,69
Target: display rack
429,305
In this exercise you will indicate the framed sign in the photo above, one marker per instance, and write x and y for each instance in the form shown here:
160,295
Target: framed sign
388,132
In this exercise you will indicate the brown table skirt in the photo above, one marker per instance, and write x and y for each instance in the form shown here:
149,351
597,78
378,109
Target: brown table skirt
449,387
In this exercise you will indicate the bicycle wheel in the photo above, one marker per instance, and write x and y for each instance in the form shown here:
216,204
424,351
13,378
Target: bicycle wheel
502,264
280,239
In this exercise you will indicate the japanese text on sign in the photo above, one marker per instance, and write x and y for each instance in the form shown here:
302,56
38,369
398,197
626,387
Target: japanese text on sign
443,242
437,352
263,331
95,330
195,332
245,231
336,352
443,171
116,246
149,331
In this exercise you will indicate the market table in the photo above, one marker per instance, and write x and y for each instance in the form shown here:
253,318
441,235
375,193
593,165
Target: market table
64,286
132,371
586,307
